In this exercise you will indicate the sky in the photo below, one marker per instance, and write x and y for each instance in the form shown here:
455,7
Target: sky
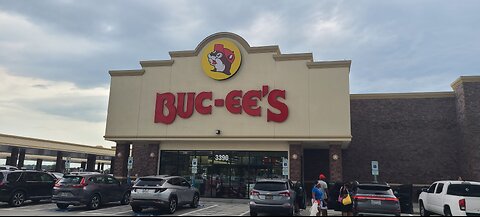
55,54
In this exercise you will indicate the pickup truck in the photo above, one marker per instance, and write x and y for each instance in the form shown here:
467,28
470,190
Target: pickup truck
451,198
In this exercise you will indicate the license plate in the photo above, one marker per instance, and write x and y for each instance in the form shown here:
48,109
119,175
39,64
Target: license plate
148,191
376,202
64,194
269,197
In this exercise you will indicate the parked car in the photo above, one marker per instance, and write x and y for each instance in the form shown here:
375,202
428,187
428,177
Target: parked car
92,190
273,196
8,168
457,198
18,186
375,199
165,192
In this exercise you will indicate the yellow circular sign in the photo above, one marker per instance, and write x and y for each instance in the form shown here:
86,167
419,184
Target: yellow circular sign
221,59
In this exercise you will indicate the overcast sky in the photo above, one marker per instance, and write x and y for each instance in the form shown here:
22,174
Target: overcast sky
55,54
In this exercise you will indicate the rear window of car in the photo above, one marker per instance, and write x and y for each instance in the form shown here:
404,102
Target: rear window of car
464,190
271,186
71,180
146,182
374,190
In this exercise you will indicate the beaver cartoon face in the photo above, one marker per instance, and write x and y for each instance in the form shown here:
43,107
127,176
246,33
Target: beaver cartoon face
221,59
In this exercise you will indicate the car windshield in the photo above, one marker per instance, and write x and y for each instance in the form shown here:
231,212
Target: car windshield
271,186
71,180
374,190
464,190
147,182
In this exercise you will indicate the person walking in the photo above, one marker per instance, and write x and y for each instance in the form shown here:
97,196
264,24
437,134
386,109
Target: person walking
324,188
317,196
345,200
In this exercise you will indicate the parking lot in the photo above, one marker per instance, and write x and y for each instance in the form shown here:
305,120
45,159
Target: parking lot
115,209
206,208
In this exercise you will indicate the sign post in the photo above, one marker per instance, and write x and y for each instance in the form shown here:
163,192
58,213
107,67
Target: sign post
129,167
285,167
375,171
67,164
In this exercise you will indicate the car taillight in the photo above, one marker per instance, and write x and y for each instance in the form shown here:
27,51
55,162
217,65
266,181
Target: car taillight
376,198
254,193
285,194
2,184
463,204
81,185
58,185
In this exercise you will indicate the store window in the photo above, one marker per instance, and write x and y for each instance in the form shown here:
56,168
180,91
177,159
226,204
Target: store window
223,174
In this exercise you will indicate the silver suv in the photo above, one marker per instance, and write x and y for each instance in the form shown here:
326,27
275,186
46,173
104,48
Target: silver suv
274,196
165,192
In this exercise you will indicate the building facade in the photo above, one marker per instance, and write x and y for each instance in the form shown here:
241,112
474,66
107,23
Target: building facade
226,114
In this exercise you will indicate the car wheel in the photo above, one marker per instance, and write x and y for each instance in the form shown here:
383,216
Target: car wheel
62,205
196,200
291,212
95,202
253,213
136,209
126,199
447,211
18,199
172,205
423,211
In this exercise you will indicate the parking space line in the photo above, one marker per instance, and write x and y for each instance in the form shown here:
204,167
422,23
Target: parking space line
189,213
102,209
245,213
119,213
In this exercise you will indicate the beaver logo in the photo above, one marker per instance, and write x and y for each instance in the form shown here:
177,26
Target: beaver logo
221,59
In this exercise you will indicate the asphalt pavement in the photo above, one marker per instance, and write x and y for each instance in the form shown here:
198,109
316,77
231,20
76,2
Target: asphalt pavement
207,208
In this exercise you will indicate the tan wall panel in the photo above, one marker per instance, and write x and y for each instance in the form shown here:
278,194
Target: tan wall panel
124,105
155,80
330,102
318,100
225,146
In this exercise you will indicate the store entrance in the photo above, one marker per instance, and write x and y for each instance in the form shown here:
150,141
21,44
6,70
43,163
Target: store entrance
223,174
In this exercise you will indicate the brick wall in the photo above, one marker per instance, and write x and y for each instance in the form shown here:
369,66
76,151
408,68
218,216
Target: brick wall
336,166
144,162
122,152
296,165
415,140
468,110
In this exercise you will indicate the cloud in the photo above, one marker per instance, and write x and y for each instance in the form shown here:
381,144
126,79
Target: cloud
52,110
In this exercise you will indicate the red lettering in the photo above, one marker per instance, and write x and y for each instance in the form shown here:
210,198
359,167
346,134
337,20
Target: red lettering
181,105
165,100
275,103
233,104
199,106
250,103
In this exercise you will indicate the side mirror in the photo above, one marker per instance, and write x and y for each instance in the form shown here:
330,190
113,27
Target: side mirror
424,190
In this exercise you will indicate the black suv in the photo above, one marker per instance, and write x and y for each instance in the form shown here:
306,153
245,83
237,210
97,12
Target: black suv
18,186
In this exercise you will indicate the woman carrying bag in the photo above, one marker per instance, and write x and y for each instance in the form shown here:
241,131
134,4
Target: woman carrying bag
317,197
345,200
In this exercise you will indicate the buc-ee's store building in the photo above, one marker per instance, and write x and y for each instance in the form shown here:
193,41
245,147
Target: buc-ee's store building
227,114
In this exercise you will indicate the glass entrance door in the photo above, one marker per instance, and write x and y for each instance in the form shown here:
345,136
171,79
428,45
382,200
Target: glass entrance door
223,174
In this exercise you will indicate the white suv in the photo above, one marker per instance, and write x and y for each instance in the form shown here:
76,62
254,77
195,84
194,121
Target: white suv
457,198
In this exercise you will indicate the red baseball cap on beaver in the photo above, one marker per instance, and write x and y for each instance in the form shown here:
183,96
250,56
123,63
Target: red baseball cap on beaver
227,52
322,177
